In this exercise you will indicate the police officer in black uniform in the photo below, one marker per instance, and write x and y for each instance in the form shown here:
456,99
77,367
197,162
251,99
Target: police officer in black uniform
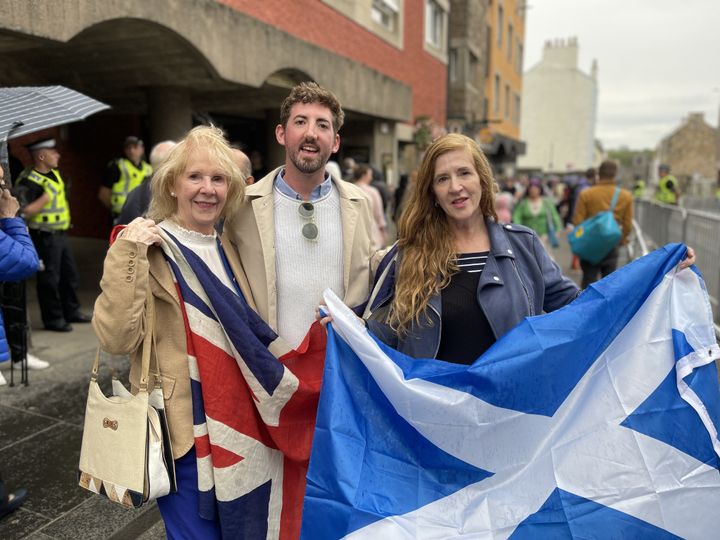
47,213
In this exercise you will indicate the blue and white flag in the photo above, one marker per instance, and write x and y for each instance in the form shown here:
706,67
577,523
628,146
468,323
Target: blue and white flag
596,421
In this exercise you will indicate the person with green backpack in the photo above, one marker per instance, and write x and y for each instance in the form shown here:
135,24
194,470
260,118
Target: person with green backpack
605,195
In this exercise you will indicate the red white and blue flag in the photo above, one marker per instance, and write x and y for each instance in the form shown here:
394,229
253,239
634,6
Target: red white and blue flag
254,405
599,420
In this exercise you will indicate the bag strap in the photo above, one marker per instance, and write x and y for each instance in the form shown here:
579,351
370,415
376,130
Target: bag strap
615,198
548,216
148,340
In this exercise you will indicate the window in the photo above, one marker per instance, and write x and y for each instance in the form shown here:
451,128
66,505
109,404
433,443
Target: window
488,48
434,24
385,13
510,42
499,25
507,100
519,57
473,75
496,96
453,65
516,112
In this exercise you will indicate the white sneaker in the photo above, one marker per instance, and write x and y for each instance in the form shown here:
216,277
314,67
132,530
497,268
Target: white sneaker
33,362
2,380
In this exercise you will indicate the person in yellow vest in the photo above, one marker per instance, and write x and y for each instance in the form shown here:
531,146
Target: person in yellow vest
638,187
47,213
123,175
668,189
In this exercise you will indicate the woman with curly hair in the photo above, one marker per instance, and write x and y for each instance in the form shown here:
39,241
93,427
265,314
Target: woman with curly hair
458,280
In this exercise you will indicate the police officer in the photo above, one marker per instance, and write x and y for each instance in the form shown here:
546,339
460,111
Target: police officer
48,217
668,189
123,175
638,187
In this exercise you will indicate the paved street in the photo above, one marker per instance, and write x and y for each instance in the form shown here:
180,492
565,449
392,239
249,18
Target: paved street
41,429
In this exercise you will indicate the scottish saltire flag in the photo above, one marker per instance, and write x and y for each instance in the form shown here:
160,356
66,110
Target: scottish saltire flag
595,421
254,403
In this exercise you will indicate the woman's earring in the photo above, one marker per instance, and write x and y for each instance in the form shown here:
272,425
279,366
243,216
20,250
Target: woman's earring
172,194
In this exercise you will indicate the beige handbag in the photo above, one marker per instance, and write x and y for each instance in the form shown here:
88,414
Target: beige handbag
126,454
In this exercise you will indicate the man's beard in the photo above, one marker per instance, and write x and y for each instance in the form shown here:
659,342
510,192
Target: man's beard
308,166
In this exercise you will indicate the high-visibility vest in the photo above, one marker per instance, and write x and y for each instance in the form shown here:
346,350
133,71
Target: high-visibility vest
664,194
130,178
55,215
639,189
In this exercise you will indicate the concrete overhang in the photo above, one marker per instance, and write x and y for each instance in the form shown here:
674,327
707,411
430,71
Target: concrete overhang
115,50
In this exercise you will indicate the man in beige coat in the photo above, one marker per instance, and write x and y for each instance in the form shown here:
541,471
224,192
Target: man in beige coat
300,230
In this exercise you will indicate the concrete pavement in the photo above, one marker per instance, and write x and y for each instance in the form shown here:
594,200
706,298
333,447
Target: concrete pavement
41,430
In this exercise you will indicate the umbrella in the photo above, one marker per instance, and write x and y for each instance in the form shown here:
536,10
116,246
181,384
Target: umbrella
24,110
27,109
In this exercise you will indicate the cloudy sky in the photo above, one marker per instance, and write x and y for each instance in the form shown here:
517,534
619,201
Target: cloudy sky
657,60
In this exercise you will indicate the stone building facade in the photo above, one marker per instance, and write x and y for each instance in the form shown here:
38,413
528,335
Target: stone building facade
166,66
559,111
691,152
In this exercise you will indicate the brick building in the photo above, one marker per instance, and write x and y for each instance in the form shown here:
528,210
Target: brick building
166,66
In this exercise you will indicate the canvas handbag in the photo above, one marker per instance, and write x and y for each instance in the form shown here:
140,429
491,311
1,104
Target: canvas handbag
595,237
126,454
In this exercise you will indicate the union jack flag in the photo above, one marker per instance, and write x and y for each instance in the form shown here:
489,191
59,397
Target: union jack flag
254,405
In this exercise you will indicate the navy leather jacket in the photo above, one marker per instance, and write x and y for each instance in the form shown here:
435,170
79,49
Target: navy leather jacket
519,280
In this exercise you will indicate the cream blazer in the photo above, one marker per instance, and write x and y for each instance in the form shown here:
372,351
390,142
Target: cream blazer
252,232
119,322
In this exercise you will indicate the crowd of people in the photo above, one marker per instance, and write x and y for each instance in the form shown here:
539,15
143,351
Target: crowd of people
467,266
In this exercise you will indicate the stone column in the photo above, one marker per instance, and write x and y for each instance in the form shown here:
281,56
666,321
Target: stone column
170,113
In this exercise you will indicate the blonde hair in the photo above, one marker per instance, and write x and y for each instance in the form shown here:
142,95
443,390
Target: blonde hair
207,140
424,238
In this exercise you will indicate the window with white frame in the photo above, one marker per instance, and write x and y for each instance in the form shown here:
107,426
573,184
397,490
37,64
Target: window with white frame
435,21
385,13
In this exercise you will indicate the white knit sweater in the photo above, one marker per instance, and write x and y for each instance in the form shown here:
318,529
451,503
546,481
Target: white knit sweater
305,268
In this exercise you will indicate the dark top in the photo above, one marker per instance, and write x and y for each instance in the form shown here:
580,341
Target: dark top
466,332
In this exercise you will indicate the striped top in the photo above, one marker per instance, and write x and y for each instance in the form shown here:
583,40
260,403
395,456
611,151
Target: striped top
465,332
472,263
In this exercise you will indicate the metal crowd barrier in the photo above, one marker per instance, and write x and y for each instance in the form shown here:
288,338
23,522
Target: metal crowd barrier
663,223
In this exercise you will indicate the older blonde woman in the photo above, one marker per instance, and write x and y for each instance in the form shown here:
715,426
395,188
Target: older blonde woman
197,185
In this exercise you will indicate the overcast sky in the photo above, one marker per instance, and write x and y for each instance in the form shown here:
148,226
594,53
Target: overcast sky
658,60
